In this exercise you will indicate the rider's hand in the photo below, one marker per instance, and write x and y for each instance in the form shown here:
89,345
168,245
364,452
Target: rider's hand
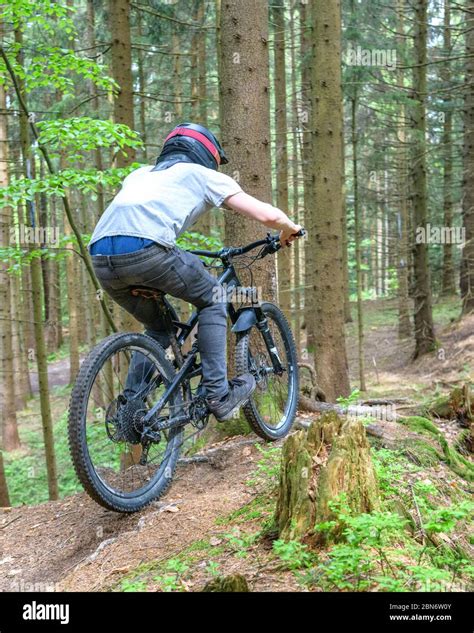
289,235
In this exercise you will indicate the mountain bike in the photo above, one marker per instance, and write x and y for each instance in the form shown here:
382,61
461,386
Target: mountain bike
124,443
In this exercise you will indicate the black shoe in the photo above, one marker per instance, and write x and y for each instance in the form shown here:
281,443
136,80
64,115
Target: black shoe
240,390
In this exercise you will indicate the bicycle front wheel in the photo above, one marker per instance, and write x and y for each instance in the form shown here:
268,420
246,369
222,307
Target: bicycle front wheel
272,408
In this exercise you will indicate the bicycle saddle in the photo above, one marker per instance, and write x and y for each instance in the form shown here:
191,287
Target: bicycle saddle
146,293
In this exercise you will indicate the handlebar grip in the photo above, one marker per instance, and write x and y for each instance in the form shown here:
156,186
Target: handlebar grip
301,233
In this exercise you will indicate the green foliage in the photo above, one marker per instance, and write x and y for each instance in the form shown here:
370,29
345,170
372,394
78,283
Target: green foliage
213,568
21,190
445,519
38,12
192,240
49,65
267,473
294,554
390,467
375,548
60,67
241,543
351,398
80,134
26,471
176,570
128,585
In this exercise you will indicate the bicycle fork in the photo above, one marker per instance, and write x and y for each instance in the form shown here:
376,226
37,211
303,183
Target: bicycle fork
262,326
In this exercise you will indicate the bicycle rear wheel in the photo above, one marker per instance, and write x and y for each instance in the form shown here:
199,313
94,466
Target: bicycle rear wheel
116,467
272,408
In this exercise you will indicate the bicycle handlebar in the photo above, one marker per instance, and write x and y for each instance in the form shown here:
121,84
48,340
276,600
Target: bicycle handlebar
271,241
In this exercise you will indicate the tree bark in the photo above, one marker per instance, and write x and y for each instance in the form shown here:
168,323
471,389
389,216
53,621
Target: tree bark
245,112
91,41
448,283
9,427
327,142
467,270
404,322
123,103
245,128
4,494
122,69
357,239
281,150
37,316
307,42
298,290
423,318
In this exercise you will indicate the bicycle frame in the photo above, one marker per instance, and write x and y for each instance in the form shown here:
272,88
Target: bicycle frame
231,280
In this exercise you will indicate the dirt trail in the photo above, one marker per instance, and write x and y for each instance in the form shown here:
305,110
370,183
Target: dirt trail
79,546
75,544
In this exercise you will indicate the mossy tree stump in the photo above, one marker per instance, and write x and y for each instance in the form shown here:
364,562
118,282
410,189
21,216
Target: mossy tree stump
233,583
457,405
330,458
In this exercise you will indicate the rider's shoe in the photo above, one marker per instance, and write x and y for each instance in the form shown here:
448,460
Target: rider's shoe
240,390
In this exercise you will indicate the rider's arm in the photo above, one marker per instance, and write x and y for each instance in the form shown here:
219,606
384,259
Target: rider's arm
265,213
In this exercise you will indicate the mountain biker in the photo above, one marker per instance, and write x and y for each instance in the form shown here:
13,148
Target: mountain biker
133,244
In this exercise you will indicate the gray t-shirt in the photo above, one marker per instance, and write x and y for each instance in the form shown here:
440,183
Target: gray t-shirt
160,205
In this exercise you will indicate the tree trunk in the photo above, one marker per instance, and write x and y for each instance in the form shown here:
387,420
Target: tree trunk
297,268
328,283
95,103
281,150
37,316
122,69
4,495
245,111
23,389
177,77
307,41
142,90
357,239
424,328
245,128
8,427
449,283
345,254
331,459
202,67
467,270
123,104
404,322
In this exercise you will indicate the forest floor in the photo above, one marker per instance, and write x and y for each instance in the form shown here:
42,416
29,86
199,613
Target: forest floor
216,518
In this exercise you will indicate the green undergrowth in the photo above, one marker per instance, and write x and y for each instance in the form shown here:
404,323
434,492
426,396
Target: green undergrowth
413,543
26,469
429,454
418,540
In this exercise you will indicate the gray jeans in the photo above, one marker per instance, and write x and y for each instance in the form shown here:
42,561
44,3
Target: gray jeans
181,275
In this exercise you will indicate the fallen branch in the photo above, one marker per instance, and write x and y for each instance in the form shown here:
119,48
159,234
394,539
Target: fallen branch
217,457
356,410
